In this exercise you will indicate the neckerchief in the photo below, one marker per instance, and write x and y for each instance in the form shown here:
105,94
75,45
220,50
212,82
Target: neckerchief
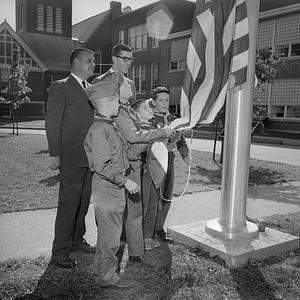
132,114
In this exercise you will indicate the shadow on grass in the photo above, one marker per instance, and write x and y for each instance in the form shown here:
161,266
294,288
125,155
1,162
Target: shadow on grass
43,152
251,284
286,193
248,281
50,181
257,176
153,280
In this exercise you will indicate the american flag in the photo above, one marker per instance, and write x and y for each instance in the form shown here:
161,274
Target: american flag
218,47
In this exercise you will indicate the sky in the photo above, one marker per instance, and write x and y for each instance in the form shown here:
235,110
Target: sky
82,9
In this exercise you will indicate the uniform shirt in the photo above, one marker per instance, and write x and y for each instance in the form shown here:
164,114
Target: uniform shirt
128,124
106,151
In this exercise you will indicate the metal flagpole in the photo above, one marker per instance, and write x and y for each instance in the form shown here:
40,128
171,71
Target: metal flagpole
231,223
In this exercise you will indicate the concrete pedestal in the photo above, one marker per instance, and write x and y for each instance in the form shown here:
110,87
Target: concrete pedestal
235,253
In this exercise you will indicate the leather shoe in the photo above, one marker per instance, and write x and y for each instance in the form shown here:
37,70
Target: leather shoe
63,261
122,283
162,235
83,247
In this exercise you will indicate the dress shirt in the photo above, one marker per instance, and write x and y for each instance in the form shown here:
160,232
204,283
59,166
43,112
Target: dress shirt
80,81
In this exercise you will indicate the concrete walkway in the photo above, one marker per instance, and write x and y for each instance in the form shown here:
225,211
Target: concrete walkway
30,233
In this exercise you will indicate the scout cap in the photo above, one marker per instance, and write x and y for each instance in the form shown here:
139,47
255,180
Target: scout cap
135,104
107,87
160,89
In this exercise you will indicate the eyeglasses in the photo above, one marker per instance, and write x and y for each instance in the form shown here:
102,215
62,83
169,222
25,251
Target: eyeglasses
125,58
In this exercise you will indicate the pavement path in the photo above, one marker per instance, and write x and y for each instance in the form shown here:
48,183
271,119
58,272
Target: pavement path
30,233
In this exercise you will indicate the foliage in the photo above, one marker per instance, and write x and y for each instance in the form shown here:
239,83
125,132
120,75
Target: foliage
16,93
265,69
265,66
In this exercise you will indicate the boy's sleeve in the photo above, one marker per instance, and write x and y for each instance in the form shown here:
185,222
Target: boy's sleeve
129,131
102,158
134,150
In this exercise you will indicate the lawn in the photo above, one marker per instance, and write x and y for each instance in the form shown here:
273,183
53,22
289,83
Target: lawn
27,183
173,271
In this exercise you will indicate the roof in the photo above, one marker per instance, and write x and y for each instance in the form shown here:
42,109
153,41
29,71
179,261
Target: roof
84,29
273,4
54,52
23,44
177,8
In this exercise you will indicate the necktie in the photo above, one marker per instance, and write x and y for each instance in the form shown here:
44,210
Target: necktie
83,84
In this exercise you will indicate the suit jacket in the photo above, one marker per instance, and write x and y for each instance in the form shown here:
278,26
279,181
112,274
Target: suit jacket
129,81
68,119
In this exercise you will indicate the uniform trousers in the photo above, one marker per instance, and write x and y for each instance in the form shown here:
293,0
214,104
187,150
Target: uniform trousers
73,204
109,204
134,214
166,193
150,200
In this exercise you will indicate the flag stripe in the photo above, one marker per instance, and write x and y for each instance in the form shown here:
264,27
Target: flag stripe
241,11
218,47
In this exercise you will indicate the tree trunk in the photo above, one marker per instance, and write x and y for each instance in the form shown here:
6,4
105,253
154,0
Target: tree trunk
13,118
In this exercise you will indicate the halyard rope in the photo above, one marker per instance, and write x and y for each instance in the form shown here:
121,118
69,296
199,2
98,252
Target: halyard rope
188,177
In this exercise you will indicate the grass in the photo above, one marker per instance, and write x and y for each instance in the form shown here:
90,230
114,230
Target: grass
27,183
174,271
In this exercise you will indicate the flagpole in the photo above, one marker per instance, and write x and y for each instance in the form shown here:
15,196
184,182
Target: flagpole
231,223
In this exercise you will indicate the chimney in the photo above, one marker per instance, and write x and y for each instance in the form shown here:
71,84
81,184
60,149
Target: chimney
126,9
115,8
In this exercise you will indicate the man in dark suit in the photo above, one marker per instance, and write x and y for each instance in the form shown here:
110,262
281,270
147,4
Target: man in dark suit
68,119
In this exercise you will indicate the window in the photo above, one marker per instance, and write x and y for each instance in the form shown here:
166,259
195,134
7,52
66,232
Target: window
175,110
137,37
58,20
295,49
138,75
4,78
177,65
277,111
293,111
121,37
97,56
178,54
7,46
289,50
154,42
49,27
40,17
283,50
154,76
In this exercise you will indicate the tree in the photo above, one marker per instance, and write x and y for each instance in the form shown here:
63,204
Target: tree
265,69
16,94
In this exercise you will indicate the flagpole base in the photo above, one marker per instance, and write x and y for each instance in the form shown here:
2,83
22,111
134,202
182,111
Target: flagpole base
247,232
235,253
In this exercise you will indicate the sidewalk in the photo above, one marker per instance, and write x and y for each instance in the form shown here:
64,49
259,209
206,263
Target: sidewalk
30,233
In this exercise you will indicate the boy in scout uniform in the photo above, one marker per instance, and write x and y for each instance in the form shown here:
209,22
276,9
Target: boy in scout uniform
106,152
128,125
